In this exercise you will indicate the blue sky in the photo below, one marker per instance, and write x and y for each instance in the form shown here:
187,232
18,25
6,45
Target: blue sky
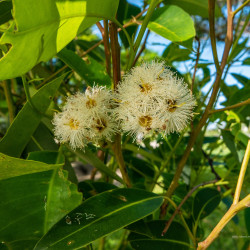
206,55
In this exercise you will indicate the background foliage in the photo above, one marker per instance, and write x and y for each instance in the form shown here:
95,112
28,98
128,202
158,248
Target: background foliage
52,49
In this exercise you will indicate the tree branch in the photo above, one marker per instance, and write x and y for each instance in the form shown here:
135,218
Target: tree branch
235,207
195,132
242,174
115,49
246,102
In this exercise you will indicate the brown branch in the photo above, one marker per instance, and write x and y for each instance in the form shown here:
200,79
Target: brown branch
246,102
195,132
177,210
115,49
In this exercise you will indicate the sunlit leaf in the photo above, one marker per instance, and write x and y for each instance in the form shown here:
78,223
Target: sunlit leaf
45,27
172,23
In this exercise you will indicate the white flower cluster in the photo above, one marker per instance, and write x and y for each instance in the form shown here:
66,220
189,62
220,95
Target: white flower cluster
152,99
149,98
86,117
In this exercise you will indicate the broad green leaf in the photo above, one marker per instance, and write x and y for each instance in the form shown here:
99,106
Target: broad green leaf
92,159
172,23
247,219
194,7
99,216
90,188
173,53
48,157
205,201
54,157
13,167
229,141
34,201
246,61
91,71
28,119
5,11
175,238
240,78
45,27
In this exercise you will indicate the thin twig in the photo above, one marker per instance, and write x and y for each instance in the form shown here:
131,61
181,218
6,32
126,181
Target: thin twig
196,63
246,102
241,7
141,49
107,48
177,210
211,164
195,132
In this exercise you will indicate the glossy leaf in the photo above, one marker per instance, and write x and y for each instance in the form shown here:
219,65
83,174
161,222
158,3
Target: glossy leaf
22,128
90,188
99,216
54,157
172,23
229,141
50,25
5,11
205,201
240,78
91,71
34,198
194,7
13,167
247,219
175,238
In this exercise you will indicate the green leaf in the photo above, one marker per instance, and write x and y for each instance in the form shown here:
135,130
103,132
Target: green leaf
50,25
175,238
5,11
173,53
48,157
99,216
173,23
54,157
229,141
247,219
205,201
33,198
13,167
90,188
92,159
246,61
195,7
22,128
242,79
91,71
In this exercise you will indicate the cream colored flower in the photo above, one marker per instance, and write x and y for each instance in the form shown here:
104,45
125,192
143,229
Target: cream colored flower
86,117
151,98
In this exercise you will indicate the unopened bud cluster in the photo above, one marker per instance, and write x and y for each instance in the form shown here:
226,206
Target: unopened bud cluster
149,99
